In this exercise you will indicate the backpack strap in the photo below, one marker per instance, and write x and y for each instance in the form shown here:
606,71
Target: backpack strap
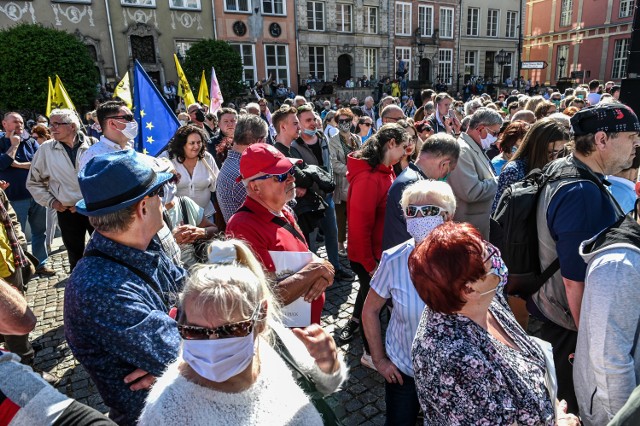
183,207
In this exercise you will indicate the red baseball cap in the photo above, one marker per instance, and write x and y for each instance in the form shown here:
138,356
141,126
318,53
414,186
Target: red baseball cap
264,159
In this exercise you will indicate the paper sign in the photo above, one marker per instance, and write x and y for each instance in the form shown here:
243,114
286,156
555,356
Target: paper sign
287,263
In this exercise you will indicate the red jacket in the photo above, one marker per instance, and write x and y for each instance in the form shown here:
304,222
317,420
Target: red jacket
366,204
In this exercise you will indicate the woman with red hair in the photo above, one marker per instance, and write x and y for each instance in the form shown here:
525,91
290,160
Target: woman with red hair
473,363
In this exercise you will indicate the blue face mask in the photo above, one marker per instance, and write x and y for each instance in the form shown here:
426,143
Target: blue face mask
309,132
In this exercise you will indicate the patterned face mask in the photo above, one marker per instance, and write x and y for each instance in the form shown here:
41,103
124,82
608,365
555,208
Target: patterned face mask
420,227
498,268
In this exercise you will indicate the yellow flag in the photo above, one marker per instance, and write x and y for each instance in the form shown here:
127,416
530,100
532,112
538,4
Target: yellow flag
50,97
62,99
184,90
203,93
123,91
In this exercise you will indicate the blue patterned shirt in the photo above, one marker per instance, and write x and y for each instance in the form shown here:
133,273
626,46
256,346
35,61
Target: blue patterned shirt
512,172
115,322
230,194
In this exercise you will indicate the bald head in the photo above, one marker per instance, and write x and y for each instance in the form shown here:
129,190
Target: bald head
391,114
524,115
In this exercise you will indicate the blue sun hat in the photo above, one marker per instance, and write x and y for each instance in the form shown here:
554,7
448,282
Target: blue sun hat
115,181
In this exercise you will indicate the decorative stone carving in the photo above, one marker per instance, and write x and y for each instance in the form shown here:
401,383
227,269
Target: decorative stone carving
304,52
140,16
73,13
16,13
185,19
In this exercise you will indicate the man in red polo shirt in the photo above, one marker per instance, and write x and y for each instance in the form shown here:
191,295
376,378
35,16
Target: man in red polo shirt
266,223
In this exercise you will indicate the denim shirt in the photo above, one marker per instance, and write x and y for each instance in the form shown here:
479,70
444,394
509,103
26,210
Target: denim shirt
115,322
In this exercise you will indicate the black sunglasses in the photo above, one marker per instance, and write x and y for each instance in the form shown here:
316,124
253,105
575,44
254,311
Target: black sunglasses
125,117
346,120
159,191
280,178
236,329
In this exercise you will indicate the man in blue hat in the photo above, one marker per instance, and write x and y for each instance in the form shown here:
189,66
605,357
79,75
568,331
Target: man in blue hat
119,295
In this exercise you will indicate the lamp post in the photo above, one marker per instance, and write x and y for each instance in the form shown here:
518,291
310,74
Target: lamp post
561,62
420,45
501,59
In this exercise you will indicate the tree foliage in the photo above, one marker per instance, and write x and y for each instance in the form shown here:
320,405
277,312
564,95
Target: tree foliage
31,53
218,54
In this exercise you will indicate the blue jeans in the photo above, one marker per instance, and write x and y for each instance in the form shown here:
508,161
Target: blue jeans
37,216
402,402
329,226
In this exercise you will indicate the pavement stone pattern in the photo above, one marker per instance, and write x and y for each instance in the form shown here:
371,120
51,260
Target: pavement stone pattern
360,402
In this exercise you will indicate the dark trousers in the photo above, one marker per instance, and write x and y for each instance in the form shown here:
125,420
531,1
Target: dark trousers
564,347
365,280
19,345
73,228
402,402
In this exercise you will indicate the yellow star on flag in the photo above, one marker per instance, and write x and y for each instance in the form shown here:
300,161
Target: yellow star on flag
144,151
150,139
142,113
149,126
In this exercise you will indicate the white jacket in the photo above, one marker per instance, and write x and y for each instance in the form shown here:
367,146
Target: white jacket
53,176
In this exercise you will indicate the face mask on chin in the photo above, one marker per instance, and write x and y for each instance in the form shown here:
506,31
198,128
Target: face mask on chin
309,132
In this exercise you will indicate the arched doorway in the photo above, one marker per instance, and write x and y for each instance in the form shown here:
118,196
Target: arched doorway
424,73
345,65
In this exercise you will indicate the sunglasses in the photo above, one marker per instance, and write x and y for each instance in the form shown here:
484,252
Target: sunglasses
236,329
280,178
159,191
427,210
346,120
125,117
365,124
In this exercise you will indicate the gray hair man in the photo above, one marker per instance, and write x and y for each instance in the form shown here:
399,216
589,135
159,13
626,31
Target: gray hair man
474,182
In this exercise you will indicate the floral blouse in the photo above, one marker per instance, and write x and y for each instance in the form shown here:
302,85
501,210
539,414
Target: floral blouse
511,173
464,376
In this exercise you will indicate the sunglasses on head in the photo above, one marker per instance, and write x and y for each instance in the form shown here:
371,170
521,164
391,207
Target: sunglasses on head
427,210
236,329
280,178
125,117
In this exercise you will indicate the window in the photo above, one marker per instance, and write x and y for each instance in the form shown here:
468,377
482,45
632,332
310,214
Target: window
343,17
371,62
237,6
277,60
248,55
445,65
563,52
512,24
446,22
473,16
403,18
182,46
185,4
273,7
566,9
619,69
470,63
315,15
370,20
425,20
142,3
493,17
404,53
626,8
316,62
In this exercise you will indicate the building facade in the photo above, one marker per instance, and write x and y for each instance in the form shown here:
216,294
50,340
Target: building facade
578,39
116,32
489,27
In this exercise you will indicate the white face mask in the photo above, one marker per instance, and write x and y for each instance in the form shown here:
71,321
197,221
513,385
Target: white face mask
130,130
220,359
420,227
169,193
488,141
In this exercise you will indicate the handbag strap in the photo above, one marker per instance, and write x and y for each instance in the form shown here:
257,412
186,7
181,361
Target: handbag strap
281,223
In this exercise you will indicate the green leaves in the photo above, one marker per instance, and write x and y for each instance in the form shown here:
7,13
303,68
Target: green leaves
31,53
224,58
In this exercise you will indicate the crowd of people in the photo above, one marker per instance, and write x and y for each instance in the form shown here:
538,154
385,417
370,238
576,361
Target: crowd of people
180,305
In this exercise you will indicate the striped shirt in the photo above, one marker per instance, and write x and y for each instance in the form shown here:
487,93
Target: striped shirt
392,281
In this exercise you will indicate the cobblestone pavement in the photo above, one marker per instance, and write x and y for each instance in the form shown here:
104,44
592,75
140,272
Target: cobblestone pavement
361,402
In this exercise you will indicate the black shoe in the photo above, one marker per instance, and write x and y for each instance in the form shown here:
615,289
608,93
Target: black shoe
342,275
349,331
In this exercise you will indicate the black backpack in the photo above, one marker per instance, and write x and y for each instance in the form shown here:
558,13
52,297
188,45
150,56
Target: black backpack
514,229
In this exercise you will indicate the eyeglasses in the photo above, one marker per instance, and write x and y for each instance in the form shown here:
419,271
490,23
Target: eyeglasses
125,117
491,132
427,210
159,191
236,329
365,124
492,250
280,178
56,125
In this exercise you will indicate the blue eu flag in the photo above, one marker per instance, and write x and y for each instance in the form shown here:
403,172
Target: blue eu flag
155,119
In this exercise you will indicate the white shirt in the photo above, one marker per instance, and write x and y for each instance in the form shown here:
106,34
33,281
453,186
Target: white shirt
103,146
